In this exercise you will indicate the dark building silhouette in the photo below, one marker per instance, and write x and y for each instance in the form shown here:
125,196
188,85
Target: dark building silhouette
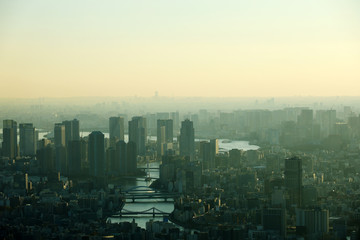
138,134
131,157
111,161
121,161
116,129
28,139
274,219
96,154
293,180
164,135
72,130
46,158
9,145
187,139
75,156
59,134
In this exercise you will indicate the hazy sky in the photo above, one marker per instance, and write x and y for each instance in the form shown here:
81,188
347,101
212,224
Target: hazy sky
219,48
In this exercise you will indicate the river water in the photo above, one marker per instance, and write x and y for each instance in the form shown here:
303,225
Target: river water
141,205
225,145
145,204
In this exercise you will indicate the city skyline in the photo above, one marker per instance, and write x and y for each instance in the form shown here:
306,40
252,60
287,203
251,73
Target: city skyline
180,49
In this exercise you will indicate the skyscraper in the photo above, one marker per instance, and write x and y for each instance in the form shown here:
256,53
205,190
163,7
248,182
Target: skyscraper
315,221
28,139
187,139
164,135
59,134
96,154
9,145
121,164
72,131
138,134
116,129
131,158
293,180
75,156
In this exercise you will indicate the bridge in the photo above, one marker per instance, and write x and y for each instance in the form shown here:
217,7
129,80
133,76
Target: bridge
153,169
143,192
151,211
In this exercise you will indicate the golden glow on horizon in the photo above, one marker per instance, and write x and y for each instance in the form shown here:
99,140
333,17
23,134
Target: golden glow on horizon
179,49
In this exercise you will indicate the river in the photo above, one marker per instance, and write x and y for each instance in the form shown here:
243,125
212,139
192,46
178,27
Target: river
141,205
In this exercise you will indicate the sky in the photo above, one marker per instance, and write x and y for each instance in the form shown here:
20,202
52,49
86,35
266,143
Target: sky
181,48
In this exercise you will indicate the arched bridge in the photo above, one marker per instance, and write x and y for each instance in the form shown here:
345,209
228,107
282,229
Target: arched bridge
144,192
151,211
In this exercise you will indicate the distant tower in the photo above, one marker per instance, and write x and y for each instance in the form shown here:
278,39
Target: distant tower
214,150
60,150
72,131
138,134
164,135
59,134
116,129
293,179
9,145
96,154
46,158
121,161
75,156
187,139
131,157
28,139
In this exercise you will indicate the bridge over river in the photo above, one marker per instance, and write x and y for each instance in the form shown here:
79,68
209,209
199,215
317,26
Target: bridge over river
145,213
148,193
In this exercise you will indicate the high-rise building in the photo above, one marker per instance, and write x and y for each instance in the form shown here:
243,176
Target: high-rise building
60,150
116,129
59,134
138,134
28,139
164,135
9,145
315,222
187,139
46,158
121,161
293,180
274,219
214,150
75,156
205,154
131,158
96,154
72,130
208,151
176,121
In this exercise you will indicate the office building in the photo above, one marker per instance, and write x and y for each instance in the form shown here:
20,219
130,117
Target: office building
28,139
46,158
116,130
121,160
314,222
274,219
9,144
76,156
72,130
293,180
187,139
164,135
138,134
131,158
96,154
59,135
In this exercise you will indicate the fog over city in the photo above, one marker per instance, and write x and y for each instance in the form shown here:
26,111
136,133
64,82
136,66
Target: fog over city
168,120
